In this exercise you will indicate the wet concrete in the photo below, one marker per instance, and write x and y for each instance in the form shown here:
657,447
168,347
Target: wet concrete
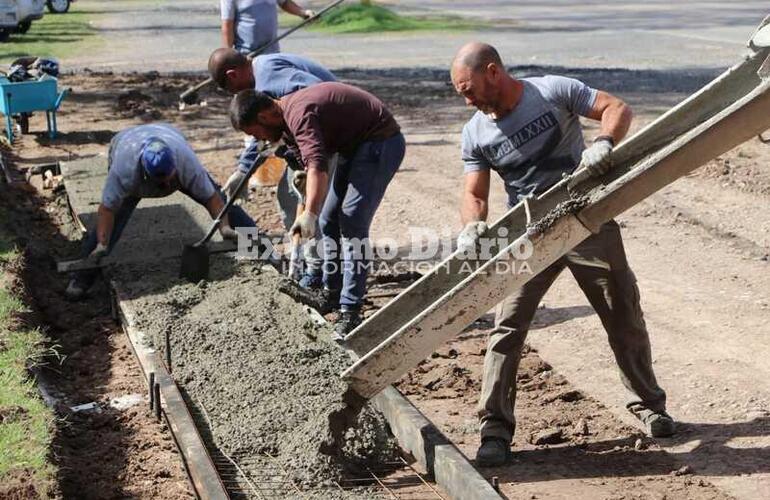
266,374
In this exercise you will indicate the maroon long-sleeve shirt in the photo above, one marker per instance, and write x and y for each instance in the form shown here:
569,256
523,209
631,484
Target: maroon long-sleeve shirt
333,117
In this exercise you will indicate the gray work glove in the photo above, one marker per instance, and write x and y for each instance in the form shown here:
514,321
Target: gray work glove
305,225
470,235
597,158
300,180
232,184
226,231
99,252
308,13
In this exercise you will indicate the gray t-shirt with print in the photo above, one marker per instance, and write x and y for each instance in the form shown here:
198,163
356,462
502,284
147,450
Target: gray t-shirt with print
536,143
126,177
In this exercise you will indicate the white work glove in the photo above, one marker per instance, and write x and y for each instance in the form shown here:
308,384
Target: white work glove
300,180
232,184
470,235
98,252
308,13
226,231
597,158
305,225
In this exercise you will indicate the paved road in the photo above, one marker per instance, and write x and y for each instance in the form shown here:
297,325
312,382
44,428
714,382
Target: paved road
177,35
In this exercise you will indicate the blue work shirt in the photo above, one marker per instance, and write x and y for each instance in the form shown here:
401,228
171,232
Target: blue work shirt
278,75
255,23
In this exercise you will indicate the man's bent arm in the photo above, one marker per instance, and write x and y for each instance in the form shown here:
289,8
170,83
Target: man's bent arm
292,8
228,33
214,205
315,189
475,202
105,221
614,114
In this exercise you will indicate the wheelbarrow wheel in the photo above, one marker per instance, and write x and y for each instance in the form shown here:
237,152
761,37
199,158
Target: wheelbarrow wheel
23,27
4,34
58,6
24,123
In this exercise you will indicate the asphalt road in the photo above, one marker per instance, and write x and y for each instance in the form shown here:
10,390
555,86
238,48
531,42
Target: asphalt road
177,35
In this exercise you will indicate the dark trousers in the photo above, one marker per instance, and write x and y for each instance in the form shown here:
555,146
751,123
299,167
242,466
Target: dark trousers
356,190
599,265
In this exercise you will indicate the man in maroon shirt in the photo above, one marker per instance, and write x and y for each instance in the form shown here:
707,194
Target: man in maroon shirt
318,122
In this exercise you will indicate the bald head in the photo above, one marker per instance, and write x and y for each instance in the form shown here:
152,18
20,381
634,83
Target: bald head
476,56
223,60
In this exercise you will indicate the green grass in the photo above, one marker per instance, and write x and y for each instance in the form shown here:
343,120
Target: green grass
26,424
58,36
360,18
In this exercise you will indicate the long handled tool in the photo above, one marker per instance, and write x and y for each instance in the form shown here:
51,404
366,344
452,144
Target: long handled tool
295,256
195,257
190,96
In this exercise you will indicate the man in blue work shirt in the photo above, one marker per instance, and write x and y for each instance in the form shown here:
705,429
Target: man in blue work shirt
248,25
148,161
276,75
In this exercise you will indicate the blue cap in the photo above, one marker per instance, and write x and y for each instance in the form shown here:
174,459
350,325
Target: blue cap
157,158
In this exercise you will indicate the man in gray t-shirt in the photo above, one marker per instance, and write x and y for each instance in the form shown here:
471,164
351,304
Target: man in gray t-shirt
528,131
249,24
148,161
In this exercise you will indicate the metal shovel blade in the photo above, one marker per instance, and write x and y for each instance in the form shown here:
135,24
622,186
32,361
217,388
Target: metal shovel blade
195,263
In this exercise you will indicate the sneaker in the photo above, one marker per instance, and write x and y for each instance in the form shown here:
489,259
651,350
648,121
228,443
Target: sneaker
493,452
311,281
76,290
346,323
660,424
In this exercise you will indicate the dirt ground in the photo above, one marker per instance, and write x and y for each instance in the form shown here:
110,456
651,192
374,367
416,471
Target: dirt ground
699,249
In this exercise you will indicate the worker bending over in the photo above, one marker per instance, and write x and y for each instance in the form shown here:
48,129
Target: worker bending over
528,131
148,161
276,75
318,122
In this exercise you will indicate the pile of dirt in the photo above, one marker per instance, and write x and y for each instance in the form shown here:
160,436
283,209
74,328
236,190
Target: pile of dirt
263,371
134,103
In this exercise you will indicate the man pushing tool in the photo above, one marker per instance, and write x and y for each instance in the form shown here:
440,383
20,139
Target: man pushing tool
247,25
318,122
528,131
276,75
148,161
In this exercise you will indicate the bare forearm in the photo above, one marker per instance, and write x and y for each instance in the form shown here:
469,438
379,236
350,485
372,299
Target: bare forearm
616,120
293,8
228,33
473,209
315,189
105,221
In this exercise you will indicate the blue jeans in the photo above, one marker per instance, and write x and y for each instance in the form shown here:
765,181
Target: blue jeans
238,218
355,192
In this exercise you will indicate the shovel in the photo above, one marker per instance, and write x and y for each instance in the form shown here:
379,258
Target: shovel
195,257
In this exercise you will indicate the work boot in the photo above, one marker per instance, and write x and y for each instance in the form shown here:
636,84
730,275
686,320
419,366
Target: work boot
311,281
76,290
493,452
660,424
328,300
348,320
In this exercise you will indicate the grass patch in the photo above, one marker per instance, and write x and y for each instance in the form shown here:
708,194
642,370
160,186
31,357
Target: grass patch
26,423
56,35
362,18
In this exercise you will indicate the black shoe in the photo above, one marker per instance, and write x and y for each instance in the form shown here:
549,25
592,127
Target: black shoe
493,452
346,323
328,300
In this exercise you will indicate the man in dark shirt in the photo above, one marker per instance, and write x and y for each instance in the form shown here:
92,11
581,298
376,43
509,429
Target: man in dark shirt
318,122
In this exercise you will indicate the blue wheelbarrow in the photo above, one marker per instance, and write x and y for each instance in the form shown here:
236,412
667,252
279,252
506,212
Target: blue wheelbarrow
20,99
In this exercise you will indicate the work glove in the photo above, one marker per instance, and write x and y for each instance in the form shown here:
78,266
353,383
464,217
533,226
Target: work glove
232,184
300,180
597,158
226,231
470,235
305,225
308,13
98,252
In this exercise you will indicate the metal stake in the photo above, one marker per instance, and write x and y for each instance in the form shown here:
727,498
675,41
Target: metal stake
168,351
151,387
156,395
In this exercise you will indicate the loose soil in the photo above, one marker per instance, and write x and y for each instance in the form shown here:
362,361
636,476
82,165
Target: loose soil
699,249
